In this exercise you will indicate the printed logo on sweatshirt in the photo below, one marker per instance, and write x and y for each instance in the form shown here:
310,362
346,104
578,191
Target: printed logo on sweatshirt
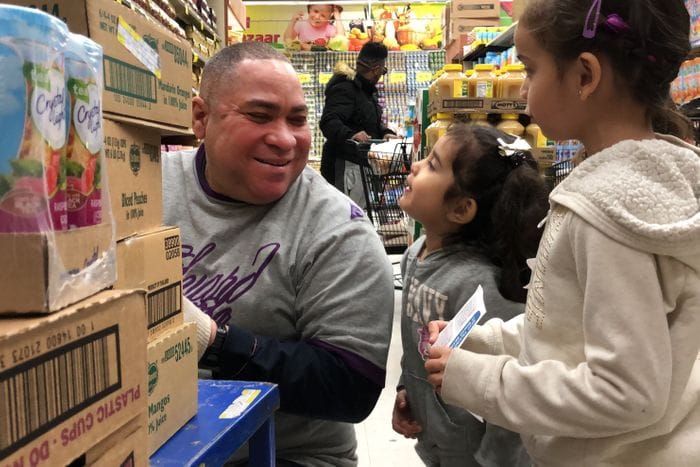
424,304
215,294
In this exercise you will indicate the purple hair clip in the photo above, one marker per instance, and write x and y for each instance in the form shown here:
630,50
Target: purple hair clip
616,23
591,24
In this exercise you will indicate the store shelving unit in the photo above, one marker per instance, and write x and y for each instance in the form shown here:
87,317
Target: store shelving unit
503,42
190,16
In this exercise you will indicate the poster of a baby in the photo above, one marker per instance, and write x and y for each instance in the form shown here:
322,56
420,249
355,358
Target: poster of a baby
321,22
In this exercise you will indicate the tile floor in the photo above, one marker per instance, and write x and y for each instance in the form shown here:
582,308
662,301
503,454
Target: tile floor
378,444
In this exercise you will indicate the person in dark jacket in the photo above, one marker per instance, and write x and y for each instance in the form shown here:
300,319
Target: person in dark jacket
352,111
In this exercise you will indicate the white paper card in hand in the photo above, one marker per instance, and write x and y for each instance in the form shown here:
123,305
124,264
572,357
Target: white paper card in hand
464,321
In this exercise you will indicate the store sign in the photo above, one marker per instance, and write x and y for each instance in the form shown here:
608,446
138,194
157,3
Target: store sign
304,78
324,78
397,78
398,26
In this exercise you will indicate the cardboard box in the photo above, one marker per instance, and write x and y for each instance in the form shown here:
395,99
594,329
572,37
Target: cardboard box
172,383
44,272
475,9
149,76
461,26
126,447
67,379
463,105
153,262
454,50
135,184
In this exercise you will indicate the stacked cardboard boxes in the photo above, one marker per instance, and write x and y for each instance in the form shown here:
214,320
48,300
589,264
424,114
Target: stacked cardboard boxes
70,379
147,91
460,17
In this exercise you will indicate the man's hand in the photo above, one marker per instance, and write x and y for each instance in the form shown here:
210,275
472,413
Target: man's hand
402,419
206,327
436,364
361,136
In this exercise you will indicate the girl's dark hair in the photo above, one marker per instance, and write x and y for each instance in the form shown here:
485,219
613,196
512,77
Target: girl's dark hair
511,199
646,56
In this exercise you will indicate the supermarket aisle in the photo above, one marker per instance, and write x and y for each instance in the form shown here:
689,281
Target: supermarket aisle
378,444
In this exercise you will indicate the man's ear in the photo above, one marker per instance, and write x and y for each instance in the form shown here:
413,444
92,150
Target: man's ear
462,211
589,74
200,115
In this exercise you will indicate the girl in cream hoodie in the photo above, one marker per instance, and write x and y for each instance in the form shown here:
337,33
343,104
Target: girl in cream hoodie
602,369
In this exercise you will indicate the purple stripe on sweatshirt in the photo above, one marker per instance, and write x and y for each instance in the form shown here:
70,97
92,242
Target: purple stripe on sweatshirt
361,365
200,164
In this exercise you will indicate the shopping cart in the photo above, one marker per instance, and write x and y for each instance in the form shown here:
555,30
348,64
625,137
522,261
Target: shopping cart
557,172
383,176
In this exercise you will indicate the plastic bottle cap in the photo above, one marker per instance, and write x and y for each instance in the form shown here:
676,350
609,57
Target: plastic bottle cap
483,67
453,67
469,73
515,67
509,116
478,116
444,116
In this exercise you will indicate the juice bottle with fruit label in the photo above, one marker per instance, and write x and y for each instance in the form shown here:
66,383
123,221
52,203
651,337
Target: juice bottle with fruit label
451,83
33,117
436,130
481,82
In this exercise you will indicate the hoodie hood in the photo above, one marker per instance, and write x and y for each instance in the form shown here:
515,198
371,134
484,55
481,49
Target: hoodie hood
343,69
341,73
644,194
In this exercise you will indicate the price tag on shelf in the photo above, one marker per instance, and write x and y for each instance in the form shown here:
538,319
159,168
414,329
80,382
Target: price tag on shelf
397,77
324,77
423,76
304,78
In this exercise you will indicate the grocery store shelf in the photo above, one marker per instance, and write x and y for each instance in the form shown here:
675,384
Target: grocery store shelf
502,42
198,60
188,14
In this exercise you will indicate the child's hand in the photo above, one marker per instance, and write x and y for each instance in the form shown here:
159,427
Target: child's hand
436,364
336,12
402,419
434,328
298,16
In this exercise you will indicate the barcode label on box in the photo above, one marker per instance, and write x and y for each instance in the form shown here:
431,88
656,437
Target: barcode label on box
164,304
127,80
37,395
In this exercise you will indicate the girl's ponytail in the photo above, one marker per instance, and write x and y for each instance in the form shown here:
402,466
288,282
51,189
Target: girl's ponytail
522,204
511,198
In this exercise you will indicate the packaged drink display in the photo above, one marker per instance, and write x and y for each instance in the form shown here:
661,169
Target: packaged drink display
432,88
451,83
534,136
509,124
510,82
481,82
33,116
83,61
480,119
436,130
